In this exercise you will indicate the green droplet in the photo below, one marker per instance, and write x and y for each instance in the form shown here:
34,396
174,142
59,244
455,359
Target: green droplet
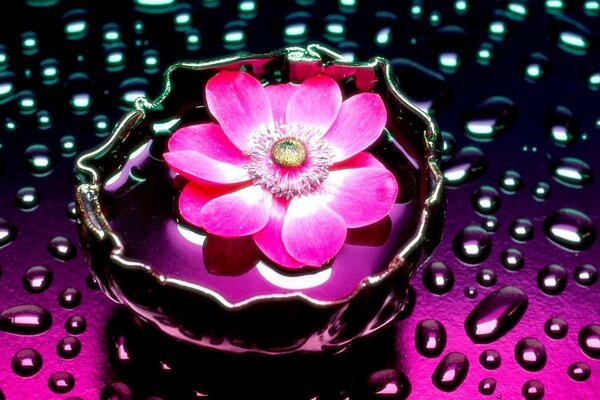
461,6
485,53
497,30
594,81
573,43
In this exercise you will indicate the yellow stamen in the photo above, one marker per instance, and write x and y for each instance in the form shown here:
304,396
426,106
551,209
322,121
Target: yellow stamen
289,153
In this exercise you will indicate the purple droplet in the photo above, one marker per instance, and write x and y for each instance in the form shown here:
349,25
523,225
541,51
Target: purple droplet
490,359
26,319
61,382
451,371
37,279
552,279
75,325
579,371
472,245
487,386
530,353
438,278
430,338
556,328
68,347
589,340
26,362
69,298
533,390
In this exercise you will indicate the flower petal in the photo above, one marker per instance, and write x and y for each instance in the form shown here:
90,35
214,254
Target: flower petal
243,212
200,168
361,196
194,196
209,140
312,233
279,95
361,160
315,104
360,122
269,239
238,101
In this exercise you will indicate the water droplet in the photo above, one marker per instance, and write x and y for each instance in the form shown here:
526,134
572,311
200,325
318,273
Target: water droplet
589,340
533,390
61,382
430,338
7,86
579,371
552,279
116,391
131,89
27,198
26,319
61,248
467,165
530,353
78,86
490,223
490,119
510,182
471,292
68,146
101,125
68,347
486,200
487,386
521,230
69,298
44,119
537,67
486,277
512,259
571,36
472,245
556,328
570,228
49,69
428,89
75,325
438,278
71,211
490,359
496,314
448,145
586,275
8,232
561,126
572,172
38,160
389,383
451,371
37,279
541,191
26,362
76,26
29,43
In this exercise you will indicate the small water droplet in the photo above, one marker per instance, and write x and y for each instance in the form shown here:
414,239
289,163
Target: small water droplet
451,371
487,386
71,211
131,89
37,279
75,325
486,200
570,229
471,292
533,390
467,165
8,232
68,347
556,328
38,160
61,382
389,383
490,359
68,146
586,275
26,362
572,172
27,198
430,338
552,279
530,353
490,223
579,371
521,230
472,245
26,319
510,182
561,126
512,259
486,277
537,67
589,340
69,298
448,145
490,119
438,278
496,314
541,191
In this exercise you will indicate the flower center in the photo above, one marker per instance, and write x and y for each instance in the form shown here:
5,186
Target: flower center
289,153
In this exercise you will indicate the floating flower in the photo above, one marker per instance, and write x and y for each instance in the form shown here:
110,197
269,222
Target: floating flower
285,164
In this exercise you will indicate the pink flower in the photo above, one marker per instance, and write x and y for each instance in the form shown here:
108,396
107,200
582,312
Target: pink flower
285,164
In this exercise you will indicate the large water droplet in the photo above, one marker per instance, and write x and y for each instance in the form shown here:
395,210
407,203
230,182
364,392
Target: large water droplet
490,119
496,314
556,328
561,126
572,172
521,229
61,382
27,198
467,165
8,232
589,340
533,390
585,275
61,248
451,371
26,319
486,199
530,353
571,36
472,245
26,362
512,259
449,46
552,279
438,278
570,228
487,386
490,359
37,279
38,160
430,338
579,371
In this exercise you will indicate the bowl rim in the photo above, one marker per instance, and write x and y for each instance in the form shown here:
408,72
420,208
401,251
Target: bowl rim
92,218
